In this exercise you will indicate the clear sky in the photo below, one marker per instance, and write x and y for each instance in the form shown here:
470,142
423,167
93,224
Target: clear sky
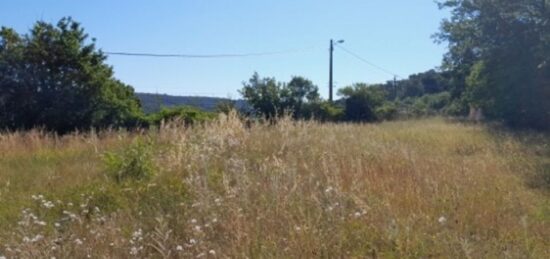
395,35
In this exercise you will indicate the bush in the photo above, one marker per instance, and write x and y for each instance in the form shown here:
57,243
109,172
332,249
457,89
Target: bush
134,163
388,111
457,107
187,114
361,101
322,111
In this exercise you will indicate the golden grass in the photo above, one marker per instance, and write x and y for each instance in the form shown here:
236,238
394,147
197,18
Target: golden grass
426,188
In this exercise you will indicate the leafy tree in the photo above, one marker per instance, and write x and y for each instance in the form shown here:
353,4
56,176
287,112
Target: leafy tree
429,82
499,57
297,92
271,98
361,102
53,78
264,95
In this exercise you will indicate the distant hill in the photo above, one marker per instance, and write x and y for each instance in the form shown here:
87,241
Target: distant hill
153,102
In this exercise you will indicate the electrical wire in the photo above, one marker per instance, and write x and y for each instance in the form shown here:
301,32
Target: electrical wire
232,55
368,62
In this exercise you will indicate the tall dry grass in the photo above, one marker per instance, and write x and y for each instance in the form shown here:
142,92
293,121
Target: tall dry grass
427,188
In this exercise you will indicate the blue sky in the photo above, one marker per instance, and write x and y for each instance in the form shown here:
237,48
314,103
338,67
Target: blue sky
395,35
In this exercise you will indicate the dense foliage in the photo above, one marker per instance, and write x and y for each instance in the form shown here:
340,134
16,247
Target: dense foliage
270,98
419,95
499,58
361,102
54,78
188,115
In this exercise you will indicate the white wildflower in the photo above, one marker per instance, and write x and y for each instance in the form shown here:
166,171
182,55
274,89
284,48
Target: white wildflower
179,248
442,220
137,234
37,238
78,241
192,241
134,250
48,204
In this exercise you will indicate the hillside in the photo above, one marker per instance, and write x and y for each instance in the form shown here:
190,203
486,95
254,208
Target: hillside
406,189
153,102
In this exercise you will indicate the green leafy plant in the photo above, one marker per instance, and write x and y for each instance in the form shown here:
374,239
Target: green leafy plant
134,163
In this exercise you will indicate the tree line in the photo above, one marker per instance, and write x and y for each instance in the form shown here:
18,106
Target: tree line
498,60
55,78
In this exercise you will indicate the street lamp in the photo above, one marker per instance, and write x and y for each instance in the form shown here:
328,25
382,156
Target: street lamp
330,85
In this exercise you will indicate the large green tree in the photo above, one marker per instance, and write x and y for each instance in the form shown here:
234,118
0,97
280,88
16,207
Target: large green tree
499,56
55,78
299,92
271,98
264,95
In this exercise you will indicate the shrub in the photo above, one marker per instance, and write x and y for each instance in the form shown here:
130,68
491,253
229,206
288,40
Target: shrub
187,114
388,111
322,111
134,163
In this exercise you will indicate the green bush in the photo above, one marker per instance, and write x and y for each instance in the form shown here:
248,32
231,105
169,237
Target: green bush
322,111
134,163
187,114
388,111
457,107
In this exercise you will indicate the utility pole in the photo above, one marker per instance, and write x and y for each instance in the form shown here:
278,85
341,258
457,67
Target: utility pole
395,87
330,72
330,83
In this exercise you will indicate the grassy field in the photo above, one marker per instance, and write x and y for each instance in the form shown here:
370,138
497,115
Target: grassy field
409,189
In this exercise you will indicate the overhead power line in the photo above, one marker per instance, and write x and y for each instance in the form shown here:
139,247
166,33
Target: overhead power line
368,62
230,55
